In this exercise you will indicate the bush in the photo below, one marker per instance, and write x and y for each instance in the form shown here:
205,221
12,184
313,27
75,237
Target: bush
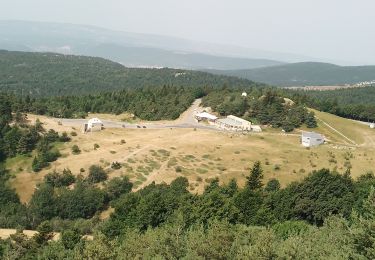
51,136
75,149
118,186
73,133
64,137
116,165
96,146
178,169
96,174
56,179
272,185
69,238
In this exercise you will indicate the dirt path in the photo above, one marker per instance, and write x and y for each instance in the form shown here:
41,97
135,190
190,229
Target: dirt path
337,131
6,233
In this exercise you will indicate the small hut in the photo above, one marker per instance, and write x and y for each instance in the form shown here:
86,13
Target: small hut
93,125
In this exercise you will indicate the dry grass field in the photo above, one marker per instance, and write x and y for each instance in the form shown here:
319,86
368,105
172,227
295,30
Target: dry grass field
161,155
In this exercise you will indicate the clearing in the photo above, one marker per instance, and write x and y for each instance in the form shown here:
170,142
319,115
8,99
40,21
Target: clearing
161,155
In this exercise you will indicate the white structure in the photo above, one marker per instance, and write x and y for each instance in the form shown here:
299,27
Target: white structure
372,125
93,125
310,139
234,123
204,116
244,94
256,128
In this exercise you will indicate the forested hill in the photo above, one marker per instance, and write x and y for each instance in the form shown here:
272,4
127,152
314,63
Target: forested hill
50,74
305,74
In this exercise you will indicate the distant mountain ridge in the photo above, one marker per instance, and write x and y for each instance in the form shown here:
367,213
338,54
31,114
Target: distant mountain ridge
130,49
305,74
51,74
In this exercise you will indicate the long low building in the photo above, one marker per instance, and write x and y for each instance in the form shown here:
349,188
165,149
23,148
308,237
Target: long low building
233,123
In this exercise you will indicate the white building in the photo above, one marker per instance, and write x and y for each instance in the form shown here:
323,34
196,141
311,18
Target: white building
204,116
256,128
244,94
372,125
93,125
310,139
234,123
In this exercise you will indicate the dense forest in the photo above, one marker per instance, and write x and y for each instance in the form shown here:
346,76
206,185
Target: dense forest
263,106
110,87
326,216
155,103
50,74
352,103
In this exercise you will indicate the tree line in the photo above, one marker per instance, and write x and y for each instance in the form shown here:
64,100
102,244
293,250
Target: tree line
352,103
260,220
262,106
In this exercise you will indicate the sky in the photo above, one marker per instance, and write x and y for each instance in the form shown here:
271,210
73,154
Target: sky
339,30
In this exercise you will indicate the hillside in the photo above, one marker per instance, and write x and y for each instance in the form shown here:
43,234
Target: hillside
130,49
49,74
305,74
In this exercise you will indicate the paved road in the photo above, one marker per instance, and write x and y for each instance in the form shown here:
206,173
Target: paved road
186,120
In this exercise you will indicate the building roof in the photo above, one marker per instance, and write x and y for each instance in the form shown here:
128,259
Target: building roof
238,119
206,115
95,121
312,135
229,121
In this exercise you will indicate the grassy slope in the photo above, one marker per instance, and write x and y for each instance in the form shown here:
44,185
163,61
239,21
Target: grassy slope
360,133
152,155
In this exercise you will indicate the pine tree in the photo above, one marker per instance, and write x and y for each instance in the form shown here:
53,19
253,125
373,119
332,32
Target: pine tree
310,120
23,145
254,180
36,165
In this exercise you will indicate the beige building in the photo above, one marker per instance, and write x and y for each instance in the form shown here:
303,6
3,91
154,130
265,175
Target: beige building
233,123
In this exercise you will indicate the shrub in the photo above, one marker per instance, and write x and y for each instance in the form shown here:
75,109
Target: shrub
56,179
272,185
64,137
70,238
96,146
73,133
116,165
96,174
178,169
75,149
118,186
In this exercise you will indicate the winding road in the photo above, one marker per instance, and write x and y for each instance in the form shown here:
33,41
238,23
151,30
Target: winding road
186,120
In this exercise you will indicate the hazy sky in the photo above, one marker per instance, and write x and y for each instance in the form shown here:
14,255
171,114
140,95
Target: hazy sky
332,29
